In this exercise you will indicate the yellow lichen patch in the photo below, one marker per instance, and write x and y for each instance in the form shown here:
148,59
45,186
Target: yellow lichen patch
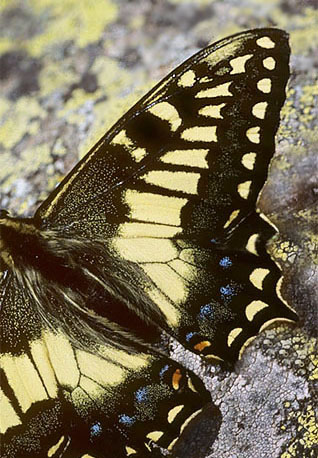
76,20
308,100
112,81
54,76
26,112
30,161
4,105
314,361
307,434
71,109
7,3
6,44
303,36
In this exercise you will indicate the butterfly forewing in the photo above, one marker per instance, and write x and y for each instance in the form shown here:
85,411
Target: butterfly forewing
173,187
205,134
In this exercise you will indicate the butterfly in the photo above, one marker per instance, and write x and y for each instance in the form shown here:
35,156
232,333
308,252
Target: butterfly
154,231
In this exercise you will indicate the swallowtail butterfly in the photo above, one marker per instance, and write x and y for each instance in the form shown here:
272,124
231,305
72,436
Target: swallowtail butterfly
155,230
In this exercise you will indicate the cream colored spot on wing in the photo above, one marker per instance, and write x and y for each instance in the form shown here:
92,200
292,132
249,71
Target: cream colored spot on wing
238,63
145,249
168,309
187,79
138,153
251,244
191,386
148,447
269,63
130,451
257,277
200,134
100,370
248,160
155,435
183,269
212,111
187,157
259,110
174,412
268,221
122,139
8,417
154,208
62,359
275,321
218,91
245,345
265,42
189,419
253,308
40,357
253,134
23,379
244,189
232,217
172,443
279,294
278,289
264,85
167,112
167,281
52,450
213,358
186,182
233,335
161,231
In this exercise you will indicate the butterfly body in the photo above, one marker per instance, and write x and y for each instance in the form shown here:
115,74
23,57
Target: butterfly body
155,230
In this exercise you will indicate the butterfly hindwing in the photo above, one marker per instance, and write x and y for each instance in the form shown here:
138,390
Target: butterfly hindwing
59,400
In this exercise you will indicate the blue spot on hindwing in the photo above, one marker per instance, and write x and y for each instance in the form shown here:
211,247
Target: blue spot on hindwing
96,429
225,262
227,290
189,336
126,420
163,370
206,311
141,394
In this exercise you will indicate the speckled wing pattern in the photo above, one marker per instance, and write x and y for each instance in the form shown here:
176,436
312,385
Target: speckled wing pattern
171,189
59,401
